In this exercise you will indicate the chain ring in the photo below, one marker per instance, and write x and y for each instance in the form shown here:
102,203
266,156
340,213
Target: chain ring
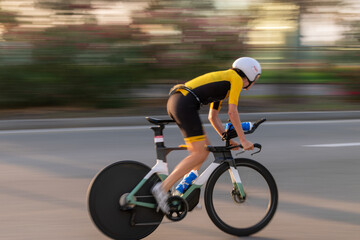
178,208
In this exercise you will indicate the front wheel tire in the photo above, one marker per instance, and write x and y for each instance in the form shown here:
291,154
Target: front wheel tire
246,217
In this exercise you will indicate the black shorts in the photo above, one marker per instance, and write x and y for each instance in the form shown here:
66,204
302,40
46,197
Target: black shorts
185,111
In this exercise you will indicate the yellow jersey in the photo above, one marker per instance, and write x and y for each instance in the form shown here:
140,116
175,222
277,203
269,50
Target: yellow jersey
214,87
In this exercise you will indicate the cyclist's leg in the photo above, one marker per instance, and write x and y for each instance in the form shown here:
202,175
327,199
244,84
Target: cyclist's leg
207,143
198,155
184,110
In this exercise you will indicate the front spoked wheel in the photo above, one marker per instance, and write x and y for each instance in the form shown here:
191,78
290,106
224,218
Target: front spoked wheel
233,213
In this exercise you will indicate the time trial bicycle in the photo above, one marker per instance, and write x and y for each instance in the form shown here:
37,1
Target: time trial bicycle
240,196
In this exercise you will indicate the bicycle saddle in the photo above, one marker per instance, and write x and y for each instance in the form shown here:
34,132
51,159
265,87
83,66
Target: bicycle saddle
159,121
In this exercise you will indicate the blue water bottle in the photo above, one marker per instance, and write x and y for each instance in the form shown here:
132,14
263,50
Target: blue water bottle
246,126
186,182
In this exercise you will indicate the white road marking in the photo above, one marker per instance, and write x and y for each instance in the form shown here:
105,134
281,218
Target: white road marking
335,145
290,122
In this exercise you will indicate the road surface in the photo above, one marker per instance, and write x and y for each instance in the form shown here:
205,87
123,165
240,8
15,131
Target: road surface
45,174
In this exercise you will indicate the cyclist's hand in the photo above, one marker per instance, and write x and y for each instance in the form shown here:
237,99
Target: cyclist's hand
234,143
247,145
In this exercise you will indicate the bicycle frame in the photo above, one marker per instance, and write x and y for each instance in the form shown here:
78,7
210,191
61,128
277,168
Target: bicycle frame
221,154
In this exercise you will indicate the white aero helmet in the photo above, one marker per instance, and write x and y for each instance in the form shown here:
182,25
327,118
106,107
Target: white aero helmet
249,66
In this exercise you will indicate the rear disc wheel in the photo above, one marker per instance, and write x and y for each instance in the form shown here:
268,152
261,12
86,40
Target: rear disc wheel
108,189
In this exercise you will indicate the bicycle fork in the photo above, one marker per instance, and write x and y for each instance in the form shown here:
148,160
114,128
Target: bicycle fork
236,180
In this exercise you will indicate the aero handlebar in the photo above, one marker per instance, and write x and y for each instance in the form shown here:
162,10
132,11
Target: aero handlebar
256,145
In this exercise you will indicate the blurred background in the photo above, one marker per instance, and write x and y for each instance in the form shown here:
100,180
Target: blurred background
96,55
85,58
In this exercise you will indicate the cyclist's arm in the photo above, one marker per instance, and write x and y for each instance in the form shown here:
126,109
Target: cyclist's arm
235,120
215,121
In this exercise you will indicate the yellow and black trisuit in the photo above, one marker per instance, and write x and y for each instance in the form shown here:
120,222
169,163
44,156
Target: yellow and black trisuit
185,100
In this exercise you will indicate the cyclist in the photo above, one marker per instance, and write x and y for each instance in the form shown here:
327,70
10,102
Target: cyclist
183,106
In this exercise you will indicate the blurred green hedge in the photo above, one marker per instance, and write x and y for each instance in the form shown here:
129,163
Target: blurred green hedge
108,86
66,85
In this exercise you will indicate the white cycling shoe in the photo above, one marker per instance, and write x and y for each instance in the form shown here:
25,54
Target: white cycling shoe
161,198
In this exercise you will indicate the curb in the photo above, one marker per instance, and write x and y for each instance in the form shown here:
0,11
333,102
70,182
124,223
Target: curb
140,120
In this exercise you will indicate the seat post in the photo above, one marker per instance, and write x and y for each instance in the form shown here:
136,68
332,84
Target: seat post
161,151
159,137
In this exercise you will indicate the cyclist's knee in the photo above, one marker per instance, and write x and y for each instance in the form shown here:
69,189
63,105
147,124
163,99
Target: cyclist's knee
200,152
198,149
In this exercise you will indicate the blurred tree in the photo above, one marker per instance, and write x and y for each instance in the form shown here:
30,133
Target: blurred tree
76,60
7,18
191,33
7,21
65,5
75,64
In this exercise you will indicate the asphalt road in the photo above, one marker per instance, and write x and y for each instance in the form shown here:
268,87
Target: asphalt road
45,174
